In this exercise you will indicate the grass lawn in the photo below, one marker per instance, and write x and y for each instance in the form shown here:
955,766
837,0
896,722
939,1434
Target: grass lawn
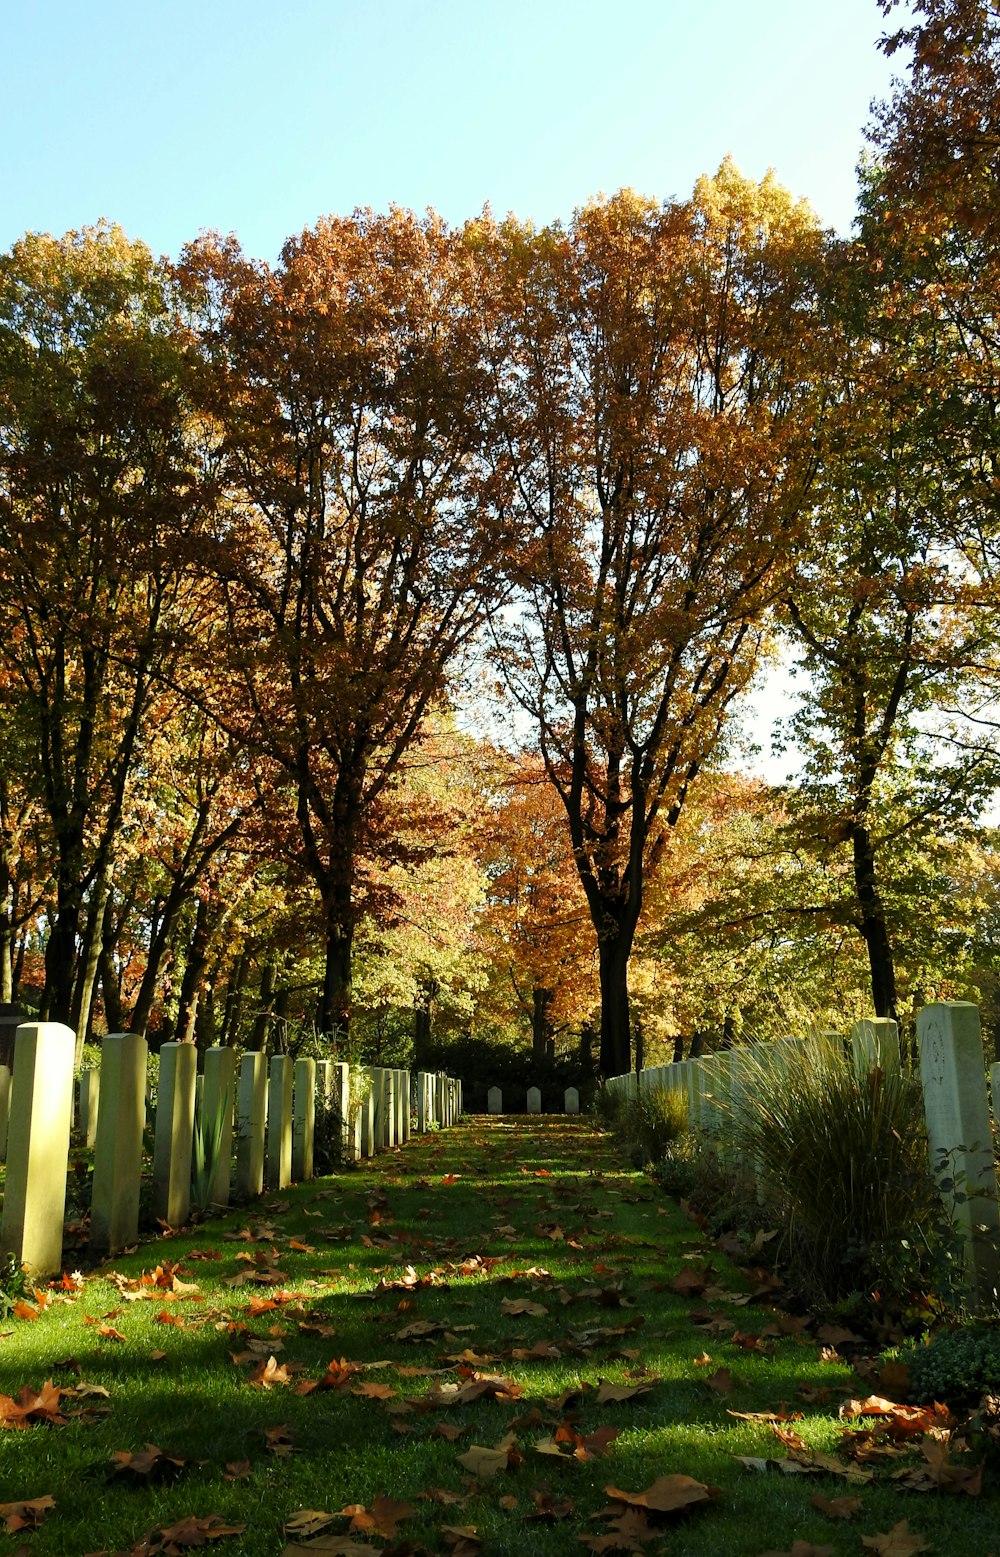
333,1346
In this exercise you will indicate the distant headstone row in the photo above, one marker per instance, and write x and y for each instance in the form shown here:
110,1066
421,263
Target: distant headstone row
956,1108
267,1109
571,1101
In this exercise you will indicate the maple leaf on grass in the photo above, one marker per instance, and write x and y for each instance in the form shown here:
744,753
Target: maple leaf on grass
485,1463
30,1406
837,1508
900,1541
147,1463
26,1515
666,1495
194,1530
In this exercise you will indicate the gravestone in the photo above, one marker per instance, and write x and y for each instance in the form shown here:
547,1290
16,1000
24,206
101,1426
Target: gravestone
366,1112
278,1158
251,1124
88,1090
121,1116
4,1109
494,1101
959,1133
534,1101
875,1044
303,1119
571,1100
425,1100
41,1116
172,1145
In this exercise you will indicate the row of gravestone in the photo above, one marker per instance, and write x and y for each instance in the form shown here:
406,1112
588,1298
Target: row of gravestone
571,1101
956,1108
266,1110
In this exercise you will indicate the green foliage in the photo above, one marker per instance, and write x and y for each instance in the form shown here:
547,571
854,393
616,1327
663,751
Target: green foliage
957,1365
208,1132
840,1157
13,1284
651,1125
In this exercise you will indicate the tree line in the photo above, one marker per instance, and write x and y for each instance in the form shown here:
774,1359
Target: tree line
268,533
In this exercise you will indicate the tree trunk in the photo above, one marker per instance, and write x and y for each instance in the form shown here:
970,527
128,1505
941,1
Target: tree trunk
334,1011
262,1021
541,1026
616,1041
873,926
640,1046
90,953
194,974
678,1048
233,1009
60,952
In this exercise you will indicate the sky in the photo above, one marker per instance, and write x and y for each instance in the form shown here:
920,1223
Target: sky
257,118
254,117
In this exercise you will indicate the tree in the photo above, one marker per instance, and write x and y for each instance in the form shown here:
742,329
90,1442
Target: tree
355,569
648,367
102,486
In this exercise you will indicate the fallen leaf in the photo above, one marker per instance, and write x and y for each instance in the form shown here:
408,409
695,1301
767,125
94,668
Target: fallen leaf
837,1508
900,1541
25,1515
666,1494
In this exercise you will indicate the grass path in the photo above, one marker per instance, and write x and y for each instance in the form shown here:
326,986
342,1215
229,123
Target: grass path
468,1340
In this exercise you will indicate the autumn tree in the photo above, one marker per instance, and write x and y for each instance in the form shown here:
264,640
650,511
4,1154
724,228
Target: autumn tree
648,367
353,564
535,921
103,483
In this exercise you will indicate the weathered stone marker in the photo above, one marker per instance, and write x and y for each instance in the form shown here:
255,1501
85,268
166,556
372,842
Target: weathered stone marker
366,1112
571,1100
4,1109
121,1115
494,1101
278,1160
534,1101
953,1073
347,1112
425,1099
88,1091
251,1124
303,1120
41,1116
875,1044
217,1104
172,1144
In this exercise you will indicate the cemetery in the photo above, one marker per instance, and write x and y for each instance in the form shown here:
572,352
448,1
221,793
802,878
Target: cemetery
267,1111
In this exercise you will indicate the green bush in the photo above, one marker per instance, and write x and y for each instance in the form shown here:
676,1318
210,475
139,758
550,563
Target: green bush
957,1366
649,1124
840,1158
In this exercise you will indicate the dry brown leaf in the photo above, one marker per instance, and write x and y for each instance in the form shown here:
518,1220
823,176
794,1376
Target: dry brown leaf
837,1508
146,1463
666,1494
614,1394
900,1541
25,1515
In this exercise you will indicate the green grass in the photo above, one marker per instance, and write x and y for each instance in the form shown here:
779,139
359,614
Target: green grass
517,1179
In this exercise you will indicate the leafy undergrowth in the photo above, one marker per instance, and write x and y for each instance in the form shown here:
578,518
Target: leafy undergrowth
498,1339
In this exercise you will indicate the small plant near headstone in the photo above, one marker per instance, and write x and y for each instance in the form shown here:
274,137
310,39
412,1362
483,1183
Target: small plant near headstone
957,1367
14,1285
209,1128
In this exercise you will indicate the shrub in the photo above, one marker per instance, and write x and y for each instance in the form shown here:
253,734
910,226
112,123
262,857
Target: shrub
14,1284
649,1124
957,1366
840,1157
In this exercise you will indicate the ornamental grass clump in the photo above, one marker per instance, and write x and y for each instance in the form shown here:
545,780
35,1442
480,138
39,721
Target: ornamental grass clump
839,1153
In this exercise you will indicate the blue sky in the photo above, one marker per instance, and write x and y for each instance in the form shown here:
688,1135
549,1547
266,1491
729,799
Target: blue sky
258,117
